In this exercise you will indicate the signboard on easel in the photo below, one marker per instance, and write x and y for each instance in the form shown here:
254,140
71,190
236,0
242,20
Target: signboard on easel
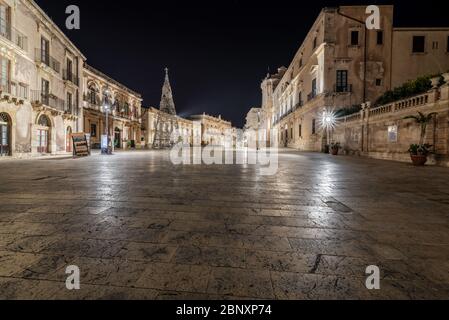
80,145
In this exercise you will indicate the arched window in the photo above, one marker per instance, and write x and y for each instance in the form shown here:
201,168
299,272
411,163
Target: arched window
43,134
43,121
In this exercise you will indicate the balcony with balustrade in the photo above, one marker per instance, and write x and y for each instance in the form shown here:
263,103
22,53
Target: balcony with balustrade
69,76
15,36
41,57
41,99
13,92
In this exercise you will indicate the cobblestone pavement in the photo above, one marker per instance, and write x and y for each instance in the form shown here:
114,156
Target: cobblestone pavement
139,227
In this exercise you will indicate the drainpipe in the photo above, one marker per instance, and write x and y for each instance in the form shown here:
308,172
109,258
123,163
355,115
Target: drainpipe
365,58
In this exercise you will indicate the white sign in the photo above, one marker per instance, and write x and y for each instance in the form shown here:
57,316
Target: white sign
393,133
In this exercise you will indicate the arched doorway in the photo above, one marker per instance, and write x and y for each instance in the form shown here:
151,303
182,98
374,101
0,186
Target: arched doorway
43,134
117,138
5,135
68,139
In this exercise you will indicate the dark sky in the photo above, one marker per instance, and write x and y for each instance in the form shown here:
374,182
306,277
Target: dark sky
217,51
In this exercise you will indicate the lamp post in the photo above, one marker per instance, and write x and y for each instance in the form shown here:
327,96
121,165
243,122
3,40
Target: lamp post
106,150
328,122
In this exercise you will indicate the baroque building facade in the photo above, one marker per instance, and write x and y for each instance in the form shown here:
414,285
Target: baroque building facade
163,127
47,92
214,130
40,71
124,114
341,64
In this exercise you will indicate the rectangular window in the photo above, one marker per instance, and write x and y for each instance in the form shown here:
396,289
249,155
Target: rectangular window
314,91
5,21
315,42
380,37
69,102
23,91
4,74
378,82
313,126
45,51
93,130
45,92
354,38
300,131
419,44
69,71
342,81
300,62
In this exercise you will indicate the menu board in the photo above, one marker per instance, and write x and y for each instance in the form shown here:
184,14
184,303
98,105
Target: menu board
80,145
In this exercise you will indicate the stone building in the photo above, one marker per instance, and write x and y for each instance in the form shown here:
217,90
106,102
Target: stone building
124,110
150,122
40,87
163,127
382,132
342,64
213,129
253,119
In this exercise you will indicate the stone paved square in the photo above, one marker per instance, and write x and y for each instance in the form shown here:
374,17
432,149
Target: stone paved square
139,227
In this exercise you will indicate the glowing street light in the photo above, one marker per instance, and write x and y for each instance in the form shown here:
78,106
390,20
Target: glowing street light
106,149
328,123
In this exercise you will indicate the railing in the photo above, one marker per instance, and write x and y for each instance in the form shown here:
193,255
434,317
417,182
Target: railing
411,102
352,117
42,57
343,89
48,100
311,96
68,75
12,88
92,99
16,37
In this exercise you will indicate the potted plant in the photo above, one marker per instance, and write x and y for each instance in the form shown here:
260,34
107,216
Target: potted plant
419,152
335,147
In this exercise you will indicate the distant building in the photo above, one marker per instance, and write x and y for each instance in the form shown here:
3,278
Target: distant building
162,125
124,115
253,119
213,129
336,68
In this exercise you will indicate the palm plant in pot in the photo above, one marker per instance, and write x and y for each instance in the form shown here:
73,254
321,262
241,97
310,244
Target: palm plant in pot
420,152
335,148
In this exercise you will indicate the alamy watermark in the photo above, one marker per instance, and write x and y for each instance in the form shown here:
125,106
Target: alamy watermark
73,280
230,148
73,21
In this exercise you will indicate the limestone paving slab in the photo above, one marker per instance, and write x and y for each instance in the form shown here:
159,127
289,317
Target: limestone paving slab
139,227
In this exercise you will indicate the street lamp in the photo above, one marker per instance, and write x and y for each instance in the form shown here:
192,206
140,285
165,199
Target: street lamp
328,122
106,149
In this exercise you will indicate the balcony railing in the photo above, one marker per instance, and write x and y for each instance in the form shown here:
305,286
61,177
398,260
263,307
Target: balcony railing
49,100
311,96
16,37
68,75
343,89
92,99
14,89
42,57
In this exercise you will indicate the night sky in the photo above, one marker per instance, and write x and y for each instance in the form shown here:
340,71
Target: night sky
217,51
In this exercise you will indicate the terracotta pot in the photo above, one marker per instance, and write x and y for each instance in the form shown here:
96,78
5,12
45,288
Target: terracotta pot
334,151
418,160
